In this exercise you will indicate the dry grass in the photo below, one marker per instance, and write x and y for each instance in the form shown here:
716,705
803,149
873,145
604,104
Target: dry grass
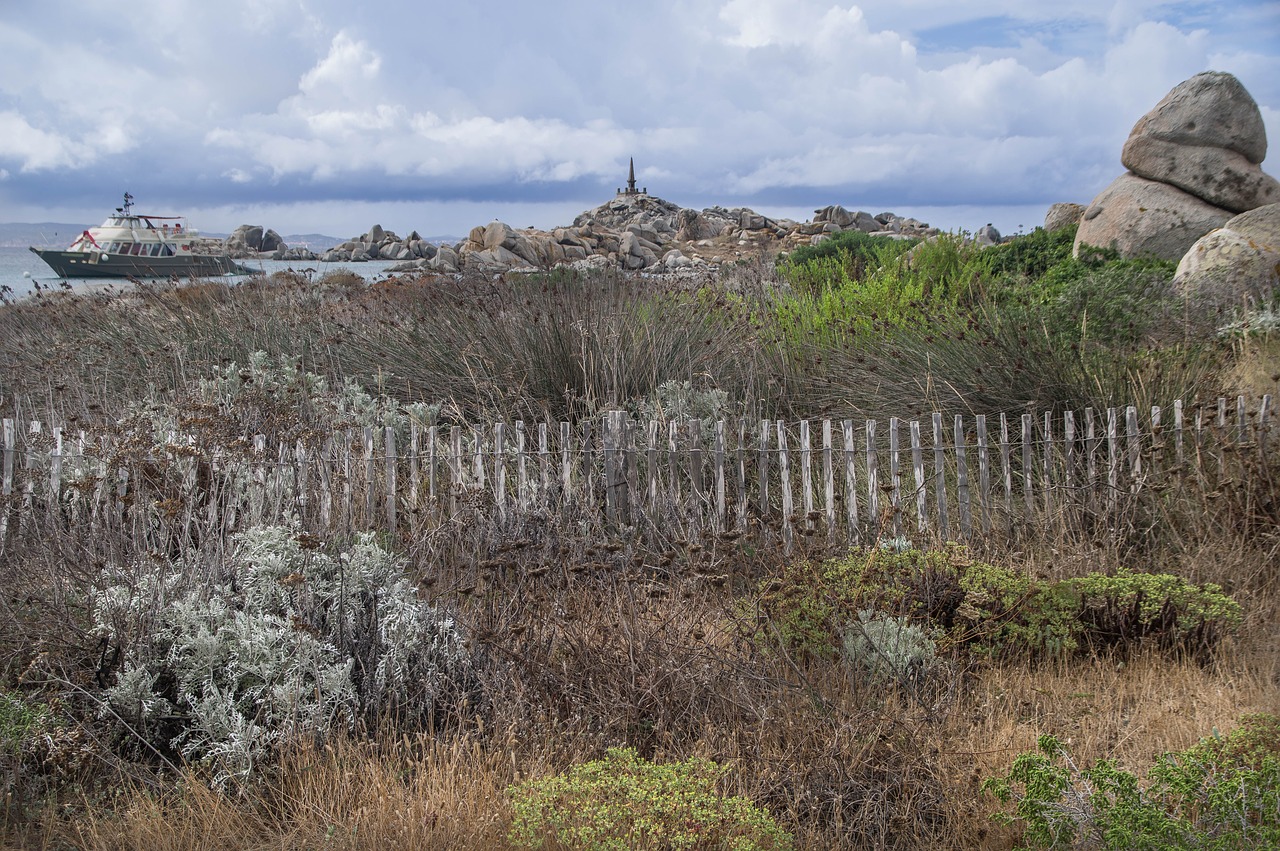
587,639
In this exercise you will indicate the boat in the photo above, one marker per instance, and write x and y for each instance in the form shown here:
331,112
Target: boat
134,245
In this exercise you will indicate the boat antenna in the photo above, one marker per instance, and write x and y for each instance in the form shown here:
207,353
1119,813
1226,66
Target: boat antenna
128,202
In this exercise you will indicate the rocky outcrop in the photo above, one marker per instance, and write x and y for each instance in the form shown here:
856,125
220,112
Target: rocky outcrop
380,244
987,235
253,241
1238,263
1063,216
638,232
1194,161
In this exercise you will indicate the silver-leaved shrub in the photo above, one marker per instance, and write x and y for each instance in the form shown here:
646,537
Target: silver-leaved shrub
223,660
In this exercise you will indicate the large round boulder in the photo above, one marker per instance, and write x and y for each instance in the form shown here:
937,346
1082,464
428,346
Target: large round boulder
1062,216
1205,136
1235,265
1144,218
1212,109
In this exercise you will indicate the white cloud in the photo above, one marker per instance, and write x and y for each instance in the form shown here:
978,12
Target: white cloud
754,99
347,71
39,150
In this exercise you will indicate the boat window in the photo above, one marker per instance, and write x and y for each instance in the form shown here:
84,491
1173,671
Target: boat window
135,249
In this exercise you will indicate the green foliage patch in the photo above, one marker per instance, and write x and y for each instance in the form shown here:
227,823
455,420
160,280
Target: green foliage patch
991,610
625,802
1223,793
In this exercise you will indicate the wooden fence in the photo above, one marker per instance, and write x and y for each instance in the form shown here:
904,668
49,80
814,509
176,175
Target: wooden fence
944,478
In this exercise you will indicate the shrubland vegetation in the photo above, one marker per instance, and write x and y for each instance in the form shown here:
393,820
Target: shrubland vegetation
559,685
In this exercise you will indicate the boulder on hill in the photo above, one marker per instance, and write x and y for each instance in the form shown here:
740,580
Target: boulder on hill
1193,161
1234,265
1063,215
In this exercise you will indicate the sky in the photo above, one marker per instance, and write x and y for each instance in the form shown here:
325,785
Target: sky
328,116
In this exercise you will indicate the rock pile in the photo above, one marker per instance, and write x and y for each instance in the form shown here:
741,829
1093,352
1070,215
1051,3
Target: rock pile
634,231
641,232
1193,163
252,241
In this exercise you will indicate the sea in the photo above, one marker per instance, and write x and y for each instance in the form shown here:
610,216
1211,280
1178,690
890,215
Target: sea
22,273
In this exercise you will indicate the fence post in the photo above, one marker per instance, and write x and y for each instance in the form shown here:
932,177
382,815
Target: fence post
719,476
566,463
762,467
742,474
522,471
651,465
784,474
940,477
1135,449
962,479
544,464
1006,466
432,437
1028,464
500,470
455,468
414,455
1113,460
873,483
389,469
984,471
850,482
828,479
917,474
806,474
895,477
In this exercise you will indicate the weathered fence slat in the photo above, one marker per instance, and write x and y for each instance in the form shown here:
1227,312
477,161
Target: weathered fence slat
962,479
784,476
850,481
917,471
828,479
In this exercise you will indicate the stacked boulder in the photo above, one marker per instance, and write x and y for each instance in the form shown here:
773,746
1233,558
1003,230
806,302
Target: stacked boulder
1193,162
250,241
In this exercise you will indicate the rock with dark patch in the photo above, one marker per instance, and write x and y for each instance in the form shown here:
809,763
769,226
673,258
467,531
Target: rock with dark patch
1220,176
1193,161
1144,218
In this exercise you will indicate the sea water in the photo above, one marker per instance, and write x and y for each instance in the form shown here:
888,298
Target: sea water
23,272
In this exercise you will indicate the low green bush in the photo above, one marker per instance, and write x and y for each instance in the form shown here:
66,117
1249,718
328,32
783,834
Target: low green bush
625,802
990,610
1223,793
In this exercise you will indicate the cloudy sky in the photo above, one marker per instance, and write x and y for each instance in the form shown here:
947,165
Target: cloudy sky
328,116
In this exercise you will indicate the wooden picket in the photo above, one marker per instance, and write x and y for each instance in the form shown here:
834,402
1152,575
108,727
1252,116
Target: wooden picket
785,480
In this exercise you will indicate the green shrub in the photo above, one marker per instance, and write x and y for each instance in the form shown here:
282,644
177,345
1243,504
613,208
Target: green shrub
624,802
853,250
1128,607
991,610
1223,793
